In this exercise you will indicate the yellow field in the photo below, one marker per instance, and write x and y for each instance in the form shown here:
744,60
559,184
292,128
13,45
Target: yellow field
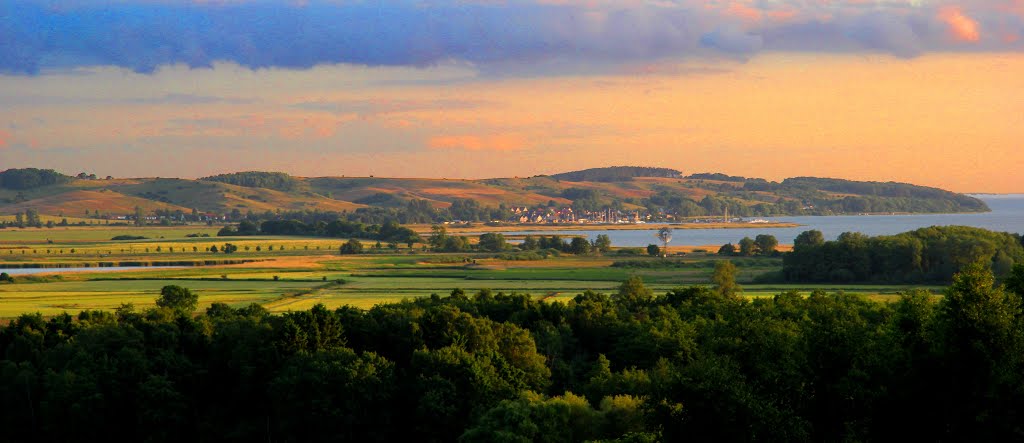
300,272
100,232
77,201
56,219
73,296
162,243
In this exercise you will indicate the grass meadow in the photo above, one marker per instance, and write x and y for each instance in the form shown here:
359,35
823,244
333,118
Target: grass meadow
294,273
96,233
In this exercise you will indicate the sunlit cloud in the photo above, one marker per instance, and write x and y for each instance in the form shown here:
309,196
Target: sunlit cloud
145,35
767,88
744,12
961,27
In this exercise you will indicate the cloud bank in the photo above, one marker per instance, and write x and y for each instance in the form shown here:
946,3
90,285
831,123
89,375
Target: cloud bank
143,35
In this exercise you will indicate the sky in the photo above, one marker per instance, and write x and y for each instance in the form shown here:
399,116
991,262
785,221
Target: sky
922,91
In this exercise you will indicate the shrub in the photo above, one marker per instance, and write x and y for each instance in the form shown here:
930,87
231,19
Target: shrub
523,256
630,251
352,246
128,237
447,259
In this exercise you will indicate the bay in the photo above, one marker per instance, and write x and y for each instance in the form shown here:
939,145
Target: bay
1007,215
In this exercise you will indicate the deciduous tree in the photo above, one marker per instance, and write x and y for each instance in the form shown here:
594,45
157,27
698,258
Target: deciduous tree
724,278
178,298
352,246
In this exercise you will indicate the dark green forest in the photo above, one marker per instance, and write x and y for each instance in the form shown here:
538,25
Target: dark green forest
690,364
30,178
877,196
257,179
931,254
811,196
616,174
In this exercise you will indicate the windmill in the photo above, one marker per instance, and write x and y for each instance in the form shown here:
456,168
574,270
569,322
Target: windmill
665,235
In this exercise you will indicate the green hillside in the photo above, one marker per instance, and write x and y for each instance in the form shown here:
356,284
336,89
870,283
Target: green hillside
657,191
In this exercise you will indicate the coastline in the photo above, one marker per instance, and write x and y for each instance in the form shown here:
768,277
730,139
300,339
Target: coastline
480,228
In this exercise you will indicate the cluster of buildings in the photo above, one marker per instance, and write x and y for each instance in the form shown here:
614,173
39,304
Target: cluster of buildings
568,215
174,217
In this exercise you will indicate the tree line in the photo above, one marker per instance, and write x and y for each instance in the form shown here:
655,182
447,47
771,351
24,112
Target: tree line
393,234
761,245
935,198
389,231
616,174
28,218
797,201
402,212
925,255
441,241
31,178
257,179
693,363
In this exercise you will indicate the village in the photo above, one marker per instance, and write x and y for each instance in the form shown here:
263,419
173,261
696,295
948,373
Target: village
568,216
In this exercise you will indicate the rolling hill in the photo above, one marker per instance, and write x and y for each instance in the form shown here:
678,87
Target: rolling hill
656,190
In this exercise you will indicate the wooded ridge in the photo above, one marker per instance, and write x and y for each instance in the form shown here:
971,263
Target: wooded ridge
631,192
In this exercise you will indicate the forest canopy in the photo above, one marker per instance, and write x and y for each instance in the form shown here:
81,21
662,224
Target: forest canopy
30,178
925,255
633,365
616,173
257,179
873,194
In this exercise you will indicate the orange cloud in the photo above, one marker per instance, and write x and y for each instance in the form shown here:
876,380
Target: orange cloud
783,14
4,138
961,27
744,12
477,143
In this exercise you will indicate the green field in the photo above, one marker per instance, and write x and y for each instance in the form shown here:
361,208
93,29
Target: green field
56,297
74,234
301,272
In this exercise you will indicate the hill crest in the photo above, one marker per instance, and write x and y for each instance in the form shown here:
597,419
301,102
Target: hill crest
655,191
616,173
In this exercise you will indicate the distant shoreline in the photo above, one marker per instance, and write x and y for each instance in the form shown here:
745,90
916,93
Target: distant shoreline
478,228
